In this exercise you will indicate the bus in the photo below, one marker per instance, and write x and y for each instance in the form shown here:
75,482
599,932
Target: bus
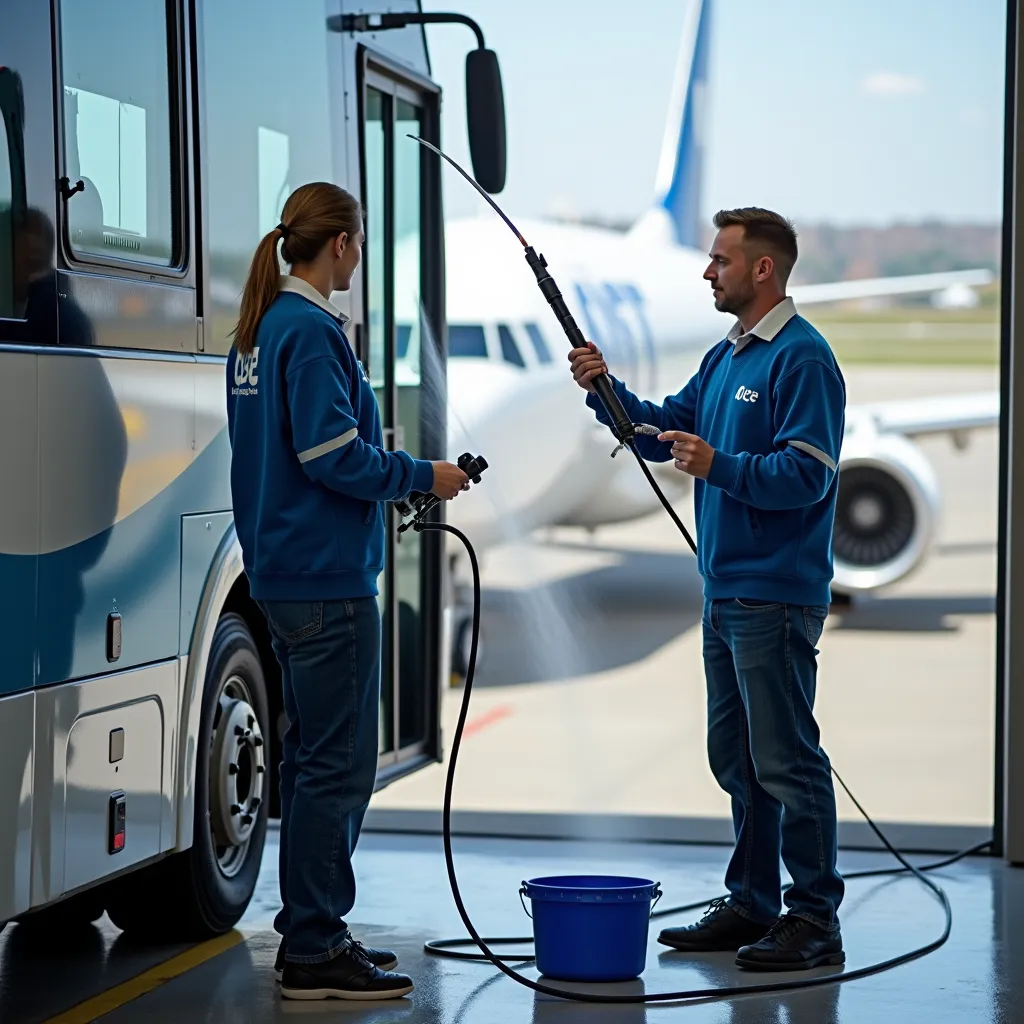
147,146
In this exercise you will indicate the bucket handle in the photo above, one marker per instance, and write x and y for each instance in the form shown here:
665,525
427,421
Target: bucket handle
657,896
522,893
658,893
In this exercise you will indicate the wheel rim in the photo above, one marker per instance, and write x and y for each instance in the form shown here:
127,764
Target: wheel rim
237,771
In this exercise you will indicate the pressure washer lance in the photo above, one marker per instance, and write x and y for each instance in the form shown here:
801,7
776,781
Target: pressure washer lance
419,504
625,431
623,428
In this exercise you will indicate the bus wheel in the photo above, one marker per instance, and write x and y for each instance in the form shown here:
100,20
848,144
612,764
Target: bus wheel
206,889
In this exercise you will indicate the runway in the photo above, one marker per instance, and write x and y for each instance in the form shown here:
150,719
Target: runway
591,689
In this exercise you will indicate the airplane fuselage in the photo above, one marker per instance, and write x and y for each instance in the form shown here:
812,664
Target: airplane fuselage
646,307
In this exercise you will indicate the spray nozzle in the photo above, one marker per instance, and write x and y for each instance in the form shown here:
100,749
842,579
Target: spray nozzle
638,428
418,504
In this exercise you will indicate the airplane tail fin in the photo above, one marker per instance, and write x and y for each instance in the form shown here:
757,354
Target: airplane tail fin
675,213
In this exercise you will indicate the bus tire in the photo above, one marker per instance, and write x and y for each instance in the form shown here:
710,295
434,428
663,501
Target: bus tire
204,890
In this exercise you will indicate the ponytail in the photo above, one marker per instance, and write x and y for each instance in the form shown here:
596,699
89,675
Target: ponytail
260,290
313,214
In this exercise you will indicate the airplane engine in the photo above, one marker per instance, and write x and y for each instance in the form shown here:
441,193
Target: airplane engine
886,513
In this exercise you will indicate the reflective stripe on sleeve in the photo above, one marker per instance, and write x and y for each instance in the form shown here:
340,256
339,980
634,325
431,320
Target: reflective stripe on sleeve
328,446
815,452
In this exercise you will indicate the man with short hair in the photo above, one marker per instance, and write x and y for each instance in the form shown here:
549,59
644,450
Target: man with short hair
759,426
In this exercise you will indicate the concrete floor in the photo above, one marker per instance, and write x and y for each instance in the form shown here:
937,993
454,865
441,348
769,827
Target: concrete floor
403,901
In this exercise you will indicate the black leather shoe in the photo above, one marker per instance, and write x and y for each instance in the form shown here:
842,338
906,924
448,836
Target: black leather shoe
793,944
382,958
349,975
720,929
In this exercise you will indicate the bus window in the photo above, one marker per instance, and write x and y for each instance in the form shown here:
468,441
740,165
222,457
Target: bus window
540,346
509,349
6,229
117,129
467,340
273,122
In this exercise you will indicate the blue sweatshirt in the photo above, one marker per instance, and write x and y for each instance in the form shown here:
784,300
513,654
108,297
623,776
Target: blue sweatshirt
771,403
308,466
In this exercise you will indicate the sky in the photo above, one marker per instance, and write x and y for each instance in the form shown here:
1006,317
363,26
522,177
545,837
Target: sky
831,111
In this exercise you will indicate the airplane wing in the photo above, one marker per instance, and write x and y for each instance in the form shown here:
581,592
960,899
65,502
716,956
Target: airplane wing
873,287
934,414
954,414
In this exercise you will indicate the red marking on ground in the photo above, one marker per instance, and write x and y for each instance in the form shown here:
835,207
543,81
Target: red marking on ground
496,714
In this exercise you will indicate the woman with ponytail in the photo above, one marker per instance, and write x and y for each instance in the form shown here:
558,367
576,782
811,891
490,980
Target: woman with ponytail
309,472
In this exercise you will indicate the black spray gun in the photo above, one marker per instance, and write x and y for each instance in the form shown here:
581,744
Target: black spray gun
418,504
624,429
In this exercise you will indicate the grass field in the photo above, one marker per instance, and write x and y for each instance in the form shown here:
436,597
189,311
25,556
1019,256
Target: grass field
912,335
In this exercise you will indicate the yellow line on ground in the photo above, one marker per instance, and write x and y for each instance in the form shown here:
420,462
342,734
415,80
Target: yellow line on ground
108,1001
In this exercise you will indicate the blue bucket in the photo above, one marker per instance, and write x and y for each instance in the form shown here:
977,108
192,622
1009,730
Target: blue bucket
591,927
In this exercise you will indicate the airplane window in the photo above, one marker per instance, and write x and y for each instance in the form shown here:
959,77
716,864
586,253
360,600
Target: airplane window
404,337
117,129
467,340
6,239
509,349
540,346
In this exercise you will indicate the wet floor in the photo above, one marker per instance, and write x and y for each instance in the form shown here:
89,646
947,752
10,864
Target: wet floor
978,975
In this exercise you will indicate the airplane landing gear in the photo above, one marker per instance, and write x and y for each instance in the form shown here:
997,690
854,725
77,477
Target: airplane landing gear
462,634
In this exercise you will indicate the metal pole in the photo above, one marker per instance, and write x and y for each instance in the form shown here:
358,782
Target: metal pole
1012,708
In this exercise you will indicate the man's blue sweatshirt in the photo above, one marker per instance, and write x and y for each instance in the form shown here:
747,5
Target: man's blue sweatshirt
308,466
772,405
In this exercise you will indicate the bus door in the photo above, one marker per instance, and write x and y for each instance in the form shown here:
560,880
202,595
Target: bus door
400,344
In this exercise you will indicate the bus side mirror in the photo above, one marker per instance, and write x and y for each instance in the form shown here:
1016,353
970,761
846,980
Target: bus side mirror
485,117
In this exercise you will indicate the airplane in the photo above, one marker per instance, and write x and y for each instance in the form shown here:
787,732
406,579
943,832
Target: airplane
640,296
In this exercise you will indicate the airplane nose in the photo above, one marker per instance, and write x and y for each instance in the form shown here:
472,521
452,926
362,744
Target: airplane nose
528,425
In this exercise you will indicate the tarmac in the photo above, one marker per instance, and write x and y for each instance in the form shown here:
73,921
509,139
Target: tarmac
590,692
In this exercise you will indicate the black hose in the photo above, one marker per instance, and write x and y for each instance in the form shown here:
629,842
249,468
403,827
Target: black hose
664,501
439,947
622,429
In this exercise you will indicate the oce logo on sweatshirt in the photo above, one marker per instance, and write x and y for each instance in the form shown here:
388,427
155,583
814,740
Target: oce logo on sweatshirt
245,373
742,395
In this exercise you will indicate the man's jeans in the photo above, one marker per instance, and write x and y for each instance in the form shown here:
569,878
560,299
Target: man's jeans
760,664
329,652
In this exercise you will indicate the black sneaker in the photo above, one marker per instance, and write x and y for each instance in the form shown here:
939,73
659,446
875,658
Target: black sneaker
382,958
793,944
720,929
349,975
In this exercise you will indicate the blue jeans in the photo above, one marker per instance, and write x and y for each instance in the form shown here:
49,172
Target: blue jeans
760,664
329,653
